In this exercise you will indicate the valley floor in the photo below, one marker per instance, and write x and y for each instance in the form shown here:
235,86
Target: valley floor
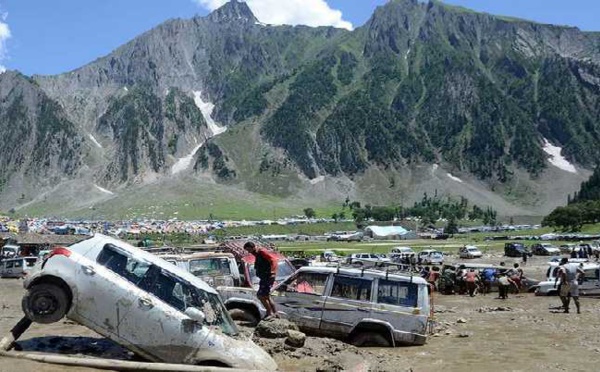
522,333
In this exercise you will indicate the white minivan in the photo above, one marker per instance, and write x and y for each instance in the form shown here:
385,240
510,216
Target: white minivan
16,267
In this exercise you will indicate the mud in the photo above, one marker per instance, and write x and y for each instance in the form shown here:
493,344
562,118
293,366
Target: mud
522,333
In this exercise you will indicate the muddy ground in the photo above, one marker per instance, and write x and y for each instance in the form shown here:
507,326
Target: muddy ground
522,333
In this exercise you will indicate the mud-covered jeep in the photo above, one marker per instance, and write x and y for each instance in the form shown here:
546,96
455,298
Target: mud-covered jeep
363,307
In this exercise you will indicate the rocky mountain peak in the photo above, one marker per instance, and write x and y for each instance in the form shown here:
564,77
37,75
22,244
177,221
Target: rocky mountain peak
233,11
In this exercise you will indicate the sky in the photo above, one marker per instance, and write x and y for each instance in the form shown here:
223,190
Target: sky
55,36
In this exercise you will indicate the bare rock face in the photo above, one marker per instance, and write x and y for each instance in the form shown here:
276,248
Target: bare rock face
275,328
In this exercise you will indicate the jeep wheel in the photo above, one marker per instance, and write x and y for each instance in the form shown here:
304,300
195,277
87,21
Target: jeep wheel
370,339
45,303
243,315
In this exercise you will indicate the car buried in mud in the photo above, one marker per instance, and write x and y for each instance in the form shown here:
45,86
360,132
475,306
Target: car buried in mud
153,308
364,307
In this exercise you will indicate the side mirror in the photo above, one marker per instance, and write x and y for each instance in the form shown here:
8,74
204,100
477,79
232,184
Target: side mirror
195,314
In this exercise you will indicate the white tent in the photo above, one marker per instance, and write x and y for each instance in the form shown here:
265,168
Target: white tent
389,232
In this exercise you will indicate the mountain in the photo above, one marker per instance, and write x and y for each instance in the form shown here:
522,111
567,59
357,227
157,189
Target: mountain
425,97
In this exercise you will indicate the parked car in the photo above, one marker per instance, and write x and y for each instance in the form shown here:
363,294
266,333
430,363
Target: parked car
469,251
544,249
367,260
215,268
16,267
9,251
589,287
363,307
568,248
431,257
401,251
515,250
140,301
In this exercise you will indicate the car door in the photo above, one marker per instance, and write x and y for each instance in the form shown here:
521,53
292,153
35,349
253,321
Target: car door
156,322
301,297
348,303
106,288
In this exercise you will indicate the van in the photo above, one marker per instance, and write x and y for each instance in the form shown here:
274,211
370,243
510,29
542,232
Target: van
9,251
16,267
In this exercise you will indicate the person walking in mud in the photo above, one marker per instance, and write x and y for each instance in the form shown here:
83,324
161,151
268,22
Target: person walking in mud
569,285
266,269
504,284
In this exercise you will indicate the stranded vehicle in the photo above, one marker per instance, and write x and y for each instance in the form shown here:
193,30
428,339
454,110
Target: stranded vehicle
215,268
364,307
240,300
589,287
140,301
16,267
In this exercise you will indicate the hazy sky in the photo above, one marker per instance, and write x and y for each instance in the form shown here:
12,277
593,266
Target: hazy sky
54,36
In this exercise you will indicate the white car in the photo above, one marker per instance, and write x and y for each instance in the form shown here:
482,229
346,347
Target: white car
140,301
590,286
431,257
367,260
470,251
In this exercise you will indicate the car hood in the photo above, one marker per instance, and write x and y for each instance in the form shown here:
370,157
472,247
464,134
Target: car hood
238,352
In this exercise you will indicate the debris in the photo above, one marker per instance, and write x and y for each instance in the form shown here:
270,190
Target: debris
295,338
275,328
461,320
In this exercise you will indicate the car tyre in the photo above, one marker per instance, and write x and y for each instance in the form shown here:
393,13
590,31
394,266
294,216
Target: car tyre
363,339
45,303
243,315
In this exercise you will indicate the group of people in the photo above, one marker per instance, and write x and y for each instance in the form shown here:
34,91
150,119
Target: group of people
471,281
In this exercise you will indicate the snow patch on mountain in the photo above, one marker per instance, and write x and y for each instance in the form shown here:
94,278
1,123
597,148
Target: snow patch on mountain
556,158
454,178
184,163
95,141
104,190
207,108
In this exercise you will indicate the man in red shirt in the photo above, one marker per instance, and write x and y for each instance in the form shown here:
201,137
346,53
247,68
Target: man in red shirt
265,266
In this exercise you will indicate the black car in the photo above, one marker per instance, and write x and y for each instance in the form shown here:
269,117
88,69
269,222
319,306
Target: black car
515,250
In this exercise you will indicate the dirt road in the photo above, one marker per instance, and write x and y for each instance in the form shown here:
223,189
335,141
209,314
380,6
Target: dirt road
521,333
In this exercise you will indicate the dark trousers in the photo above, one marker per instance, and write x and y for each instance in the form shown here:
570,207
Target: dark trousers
503,291
471,286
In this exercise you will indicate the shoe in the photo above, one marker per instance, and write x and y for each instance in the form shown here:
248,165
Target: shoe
566,311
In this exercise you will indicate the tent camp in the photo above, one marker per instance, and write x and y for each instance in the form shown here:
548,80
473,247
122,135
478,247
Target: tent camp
389,232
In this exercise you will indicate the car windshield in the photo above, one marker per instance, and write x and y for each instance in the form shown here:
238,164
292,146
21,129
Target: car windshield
210,266
284,269
180,294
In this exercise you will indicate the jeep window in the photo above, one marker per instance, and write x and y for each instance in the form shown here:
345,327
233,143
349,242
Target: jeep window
118,262
351,288
9,264
284,270
180,295
309,283
18,263
210,266
397,293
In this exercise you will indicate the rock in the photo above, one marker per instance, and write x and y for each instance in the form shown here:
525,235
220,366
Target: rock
464,334
295,338
461,320
275,328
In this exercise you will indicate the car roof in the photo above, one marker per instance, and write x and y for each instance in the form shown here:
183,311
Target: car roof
370,274
141,254
476,265
196,255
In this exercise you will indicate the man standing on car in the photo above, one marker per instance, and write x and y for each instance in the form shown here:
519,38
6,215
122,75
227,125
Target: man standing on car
266,269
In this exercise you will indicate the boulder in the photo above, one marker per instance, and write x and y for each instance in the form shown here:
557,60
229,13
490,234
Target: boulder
275,328
295,338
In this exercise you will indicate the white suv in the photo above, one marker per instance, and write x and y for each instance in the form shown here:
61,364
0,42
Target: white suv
365,307
142,302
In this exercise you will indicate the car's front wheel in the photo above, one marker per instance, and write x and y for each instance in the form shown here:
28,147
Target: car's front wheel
45,303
